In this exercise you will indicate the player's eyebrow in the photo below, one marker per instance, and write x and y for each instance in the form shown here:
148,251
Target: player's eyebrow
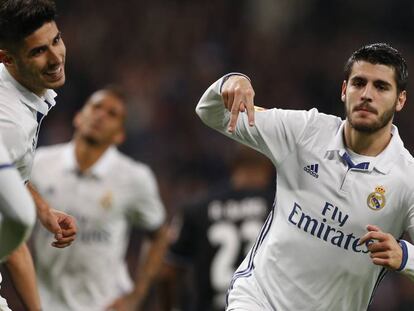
378,82
35,49
383,83
358,79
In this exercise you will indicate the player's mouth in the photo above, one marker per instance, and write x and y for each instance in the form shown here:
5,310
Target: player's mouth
55,74
365,108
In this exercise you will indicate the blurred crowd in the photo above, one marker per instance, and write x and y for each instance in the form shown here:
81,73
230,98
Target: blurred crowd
164,54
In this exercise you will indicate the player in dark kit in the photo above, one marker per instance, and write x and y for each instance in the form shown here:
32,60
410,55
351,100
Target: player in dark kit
217,232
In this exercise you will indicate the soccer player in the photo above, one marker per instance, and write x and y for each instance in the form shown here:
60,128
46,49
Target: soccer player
218,231
108,193
344,189
32,56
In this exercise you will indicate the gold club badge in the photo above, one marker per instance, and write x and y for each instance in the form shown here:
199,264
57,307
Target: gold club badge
376,199
106,200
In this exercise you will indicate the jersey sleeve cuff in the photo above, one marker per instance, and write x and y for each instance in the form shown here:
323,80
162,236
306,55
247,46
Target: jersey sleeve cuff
227,76
6,165
404,249
407,264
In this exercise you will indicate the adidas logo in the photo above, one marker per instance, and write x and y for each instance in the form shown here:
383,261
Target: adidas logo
312,169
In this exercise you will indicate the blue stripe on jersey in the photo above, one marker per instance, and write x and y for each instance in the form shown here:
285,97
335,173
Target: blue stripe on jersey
7,165
381,276
257,244
250,266
48,104
377,283
347,159
39,117
405,255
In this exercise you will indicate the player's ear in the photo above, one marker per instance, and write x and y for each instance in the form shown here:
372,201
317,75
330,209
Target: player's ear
76,120
402,98
343,91
6,58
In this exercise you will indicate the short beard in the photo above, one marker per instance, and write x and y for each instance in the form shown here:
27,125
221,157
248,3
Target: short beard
372,128
90,141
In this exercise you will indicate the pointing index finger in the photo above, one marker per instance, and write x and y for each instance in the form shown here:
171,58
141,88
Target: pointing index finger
235,109
250,106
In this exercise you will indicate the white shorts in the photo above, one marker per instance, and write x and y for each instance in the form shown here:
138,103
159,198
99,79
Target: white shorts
246,295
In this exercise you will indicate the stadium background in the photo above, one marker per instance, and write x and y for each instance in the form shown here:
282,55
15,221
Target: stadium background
164,54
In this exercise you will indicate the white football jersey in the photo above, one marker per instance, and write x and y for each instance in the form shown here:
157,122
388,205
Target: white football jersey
21,113
307,256
115,193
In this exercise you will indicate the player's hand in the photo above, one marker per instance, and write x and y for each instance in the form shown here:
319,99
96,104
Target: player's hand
238,94
62,225
383,247
128,302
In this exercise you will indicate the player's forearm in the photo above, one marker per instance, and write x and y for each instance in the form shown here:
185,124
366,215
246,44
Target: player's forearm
151,266
211,109
42,207
21,268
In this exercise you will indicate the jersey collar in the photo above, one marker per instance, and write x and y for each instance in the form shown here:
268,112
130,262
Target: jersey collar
27,97
383,162
98,170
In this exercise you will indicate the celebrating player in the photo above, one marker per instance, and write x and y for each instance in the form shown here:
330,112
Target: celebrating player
33,57
344,189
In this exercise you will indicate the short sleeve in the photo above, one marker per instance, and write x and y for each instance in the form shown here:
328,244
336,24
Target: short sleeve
147,209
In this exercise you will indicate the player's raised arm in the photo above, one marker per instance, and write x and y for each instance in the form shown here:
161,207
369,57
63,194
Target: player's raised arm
228,107
221,104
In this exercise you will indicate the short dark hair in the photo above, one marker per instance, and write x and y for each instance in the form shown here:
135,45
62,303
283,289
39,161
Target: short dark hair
116,91
384,54
20,18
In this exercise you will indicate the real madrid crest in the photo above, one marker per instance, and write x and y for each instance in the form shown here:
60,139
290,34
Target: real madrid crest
376,199
106,200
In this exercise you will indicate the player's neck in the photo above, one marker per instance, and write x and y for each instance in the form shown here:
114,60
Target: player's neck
369,144
86,154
